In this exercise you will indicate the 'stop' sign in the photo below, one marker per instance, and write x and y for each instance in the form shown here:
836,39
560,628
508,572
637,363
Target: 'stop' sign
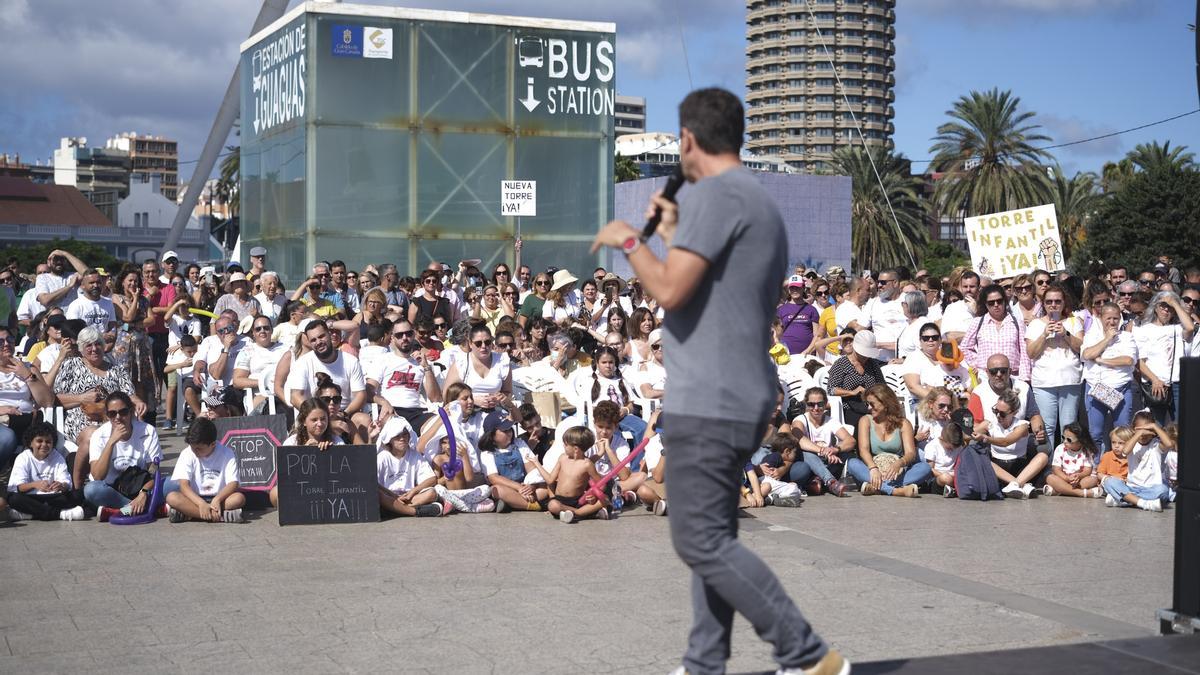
1015,242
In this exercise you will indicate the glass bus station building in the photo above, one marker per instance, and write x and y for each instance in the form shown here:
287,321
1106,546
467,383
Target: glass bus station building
378,134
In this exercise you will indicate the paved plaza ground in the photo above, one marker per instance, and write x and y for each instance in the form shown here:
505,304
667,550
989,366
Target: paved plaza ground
881,578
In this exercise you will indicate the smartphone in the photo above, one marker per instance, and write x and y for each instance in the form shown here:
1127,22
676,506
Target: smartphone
209,279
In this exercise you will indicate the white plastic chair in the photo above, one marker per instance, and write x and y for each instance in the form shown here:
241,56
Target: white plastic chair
822,377
893,375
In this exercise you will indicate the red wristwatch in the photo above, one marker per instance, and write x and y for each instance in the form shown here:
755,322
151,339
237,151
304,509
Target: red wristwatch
631,244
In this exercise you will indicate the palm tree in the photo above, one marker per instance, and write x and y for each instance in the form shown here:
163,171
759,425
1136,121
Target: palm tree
989,156
877,240
1075,199
625,169
1114,174
227,185
1147,156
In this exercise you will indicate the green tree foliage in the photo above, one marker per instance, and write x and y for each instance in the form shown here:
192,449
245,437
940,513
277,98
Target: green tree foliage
1155,212
1075,200
1147,156
227,185
940,257
989,155
876,243
30,256
625,169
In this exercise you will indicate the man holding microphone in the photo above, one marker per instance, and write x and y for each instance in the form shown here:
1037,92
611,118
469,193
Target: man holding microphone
719,284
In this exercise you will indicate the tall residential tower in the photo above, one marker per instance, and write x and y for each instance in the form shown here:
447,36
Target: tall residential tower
795,108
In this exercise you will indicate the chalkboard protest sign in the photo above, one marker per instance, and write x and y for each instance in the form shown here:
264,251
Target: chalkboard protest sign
253,440
338,485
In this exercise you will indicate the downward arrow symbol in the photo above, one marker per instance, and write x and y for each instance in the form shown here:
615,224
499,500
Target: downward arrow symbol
529,101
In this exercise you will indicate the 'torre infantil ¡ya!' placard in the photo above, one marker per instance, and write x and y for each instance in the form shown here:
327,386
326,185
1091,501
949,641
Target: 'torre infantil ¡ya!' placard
1015,242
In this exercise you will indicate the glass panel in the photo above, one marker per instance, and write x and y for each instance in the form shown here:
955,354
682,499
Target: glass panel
463,77
574,190
361,181
359,90
458,184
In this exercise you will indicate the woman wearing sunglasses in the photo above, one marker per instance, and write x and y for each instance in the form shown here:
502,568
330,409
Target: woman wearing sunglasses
1053,342
260,356
995,331
487,372
1160,335
933,414
21,387
122,442
535,302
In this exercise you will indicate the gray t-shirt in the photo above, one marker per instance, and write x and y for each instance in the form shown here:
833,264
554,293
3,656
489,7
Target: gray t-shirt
715,347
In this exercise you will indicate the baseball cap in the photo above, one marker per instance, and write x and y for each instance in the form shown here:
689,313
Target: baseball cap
167,255
257,251
773,459
796,280
497,420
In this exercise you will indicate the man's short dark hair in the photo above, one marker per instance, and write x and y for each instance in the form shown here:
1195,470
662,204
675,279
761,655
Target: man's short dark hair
716,118
314,324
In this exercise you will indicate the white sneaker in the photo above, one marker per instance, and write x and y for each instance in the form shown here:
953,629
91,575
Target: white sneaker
15,515
1094,493
451,499
232,516
1109,501
566,516
1026,490
660,507
1154,505
1011,489
71,514
1049,491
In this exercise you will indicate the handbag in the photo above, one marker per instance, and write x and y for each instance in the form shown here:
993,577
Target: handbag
131,481
1148,396
1107,396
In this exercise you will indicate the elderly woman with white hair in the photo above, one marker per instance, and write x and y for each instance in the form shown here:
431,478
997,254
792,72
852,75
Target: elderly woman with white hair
82,384
916,310
271,299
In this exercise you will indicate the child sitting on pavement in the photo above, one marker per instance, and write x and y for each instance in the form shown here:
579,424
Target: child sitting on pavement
1073,469
942,452
780,491
39,486
1144,486
646,484
1115,462
204,483
570,479
516,477
1171,462
406,481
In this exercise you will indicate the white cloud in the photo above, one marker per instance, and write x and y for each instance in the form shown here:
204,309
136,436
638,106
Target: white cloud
1071,129
1017,8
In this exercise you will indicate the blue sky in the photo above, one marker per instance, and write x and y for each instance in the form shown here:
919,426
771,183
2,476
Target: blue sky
1087,67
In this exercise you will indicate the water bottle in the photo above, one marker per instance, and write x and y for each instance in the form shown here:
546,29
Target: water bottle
618,501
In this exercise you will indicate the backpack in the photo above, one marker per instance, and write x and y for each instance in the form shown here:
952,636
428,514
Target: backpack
974,477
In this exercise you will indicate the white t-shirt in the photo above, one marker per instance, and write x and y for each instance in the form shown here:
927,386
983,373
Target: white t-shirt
957,317
1059,365
491,382
98,313
400,380
1071,462
825,434
886,319
209,352
1011,452
142,449
909,341
47,357
489,457
940,457
270,307
344,371
401,474
369,357
845,313
49,283
553,312
29,469
988,397
1122,345
293,440
653,452
578,389
15,392
1171,467
1161,346
178,326
957,380
1145,465
207,475
255,358
29,306
178,356
651,374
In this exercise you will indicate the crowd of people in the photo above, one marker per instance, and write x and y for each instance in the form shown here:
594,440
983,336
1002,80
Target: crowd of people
550,382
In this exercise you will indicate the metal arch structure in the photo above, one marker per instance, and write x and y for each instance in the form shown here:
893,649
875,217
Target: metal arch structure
226,115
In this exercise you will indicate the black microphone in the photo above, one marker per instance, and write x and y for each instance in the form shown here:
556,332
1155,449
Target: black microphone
673,184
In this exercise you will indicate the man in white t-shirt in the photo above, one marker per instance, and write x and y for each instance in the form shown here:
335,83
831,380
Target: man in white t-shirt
213,365
958,315
849,312
91,306
56,288
398,378
884,315
29,307
999,380
341,367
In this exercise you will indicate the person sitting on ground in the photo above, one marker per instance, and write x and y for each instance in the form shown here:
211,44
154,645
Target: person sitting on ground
329,393
536,436
40,486
775,491
570,479
122,443
1073,468
312,428
204,483
342,368
1144,486
825,443
887,450
518,480
1015,466
468,490
942,452
406,481
487,372
934,412
604,382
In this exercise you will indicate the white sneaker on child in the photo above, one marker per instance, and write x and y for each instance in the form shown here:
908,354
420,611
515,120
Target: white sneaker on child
1154,505
1109,501
71,514
566,516
1026,490
1049,491
1011,489
450,498
232,516
660,507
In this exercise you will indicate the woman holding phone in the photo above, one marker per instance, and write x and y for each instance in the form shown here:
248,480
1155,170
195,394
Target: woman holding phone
1053,341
